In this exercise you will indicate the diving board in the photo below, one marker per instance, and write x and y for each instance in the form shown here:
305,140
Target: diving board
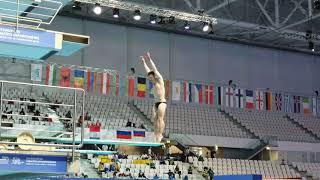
112,142
86,151
36,44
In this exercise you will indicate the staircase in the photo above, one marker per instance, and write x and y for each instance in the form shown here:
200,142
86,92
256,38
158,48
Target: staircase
198,174
142,116
259,148
302,173
238,123
303,128
179,139
88,169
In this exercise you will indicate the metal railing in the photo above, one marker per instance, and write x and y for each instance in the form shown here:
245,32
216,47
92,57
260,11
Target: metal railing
74,106
13,12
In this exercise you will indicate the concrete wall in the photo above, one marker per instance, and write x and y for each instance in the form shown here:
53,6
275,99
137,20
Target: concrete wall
184,57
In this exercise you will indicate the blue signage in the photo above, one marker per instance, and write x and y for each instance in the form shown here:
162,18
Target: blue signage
239,177
29,37
10,163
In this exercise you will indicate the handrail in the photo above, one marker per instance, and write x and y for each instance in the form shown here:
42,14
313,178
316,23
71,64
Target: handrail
49,10
73,146
30,102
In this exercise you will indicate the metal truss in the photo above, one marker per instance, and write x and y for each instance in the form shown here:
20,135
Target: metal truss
223,4
147,9
276,24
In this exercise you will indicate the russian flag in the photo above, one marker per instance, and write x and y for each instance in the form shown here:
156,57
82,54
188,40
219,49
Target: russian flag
124,134
139,133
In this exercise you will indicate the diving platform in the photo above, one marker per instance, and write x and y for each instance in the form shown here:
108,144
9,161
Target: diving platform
96,152
23,37
110,142
38,44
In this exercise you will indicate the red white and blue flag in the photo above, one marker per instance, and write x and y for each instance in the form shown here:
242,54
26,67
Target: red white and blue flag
187,95
124,135
198,93
139,133
249,99
278,101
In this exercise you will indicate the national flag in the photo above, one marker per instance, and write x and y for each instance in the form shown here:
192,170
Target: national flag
108,84
318,106
92,78
219,96
249,99
36,72
94,132
209,94
141,87
239,98
259,100
167,88
130,86
115,84
176,90
296,104
229,97
268,101
190,92
198,94
118,82
287,103
95,80
139,133
278,101
103,83
306,105
122,82
89,80
186,91
65,73
314,106
151,90
124,134
50,74
78,78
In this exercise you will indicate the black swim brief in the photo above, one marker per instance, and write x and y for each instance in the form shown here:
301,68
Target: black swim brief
158,103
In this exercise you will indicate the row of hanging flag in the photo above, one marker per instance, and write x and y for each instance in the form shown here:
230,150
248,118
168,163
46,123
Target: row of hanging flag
107,82
241,98
112,83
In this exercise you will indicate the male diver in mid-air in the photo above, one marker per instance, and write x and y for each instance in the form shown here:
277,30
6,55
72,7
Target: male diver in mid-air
159,108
